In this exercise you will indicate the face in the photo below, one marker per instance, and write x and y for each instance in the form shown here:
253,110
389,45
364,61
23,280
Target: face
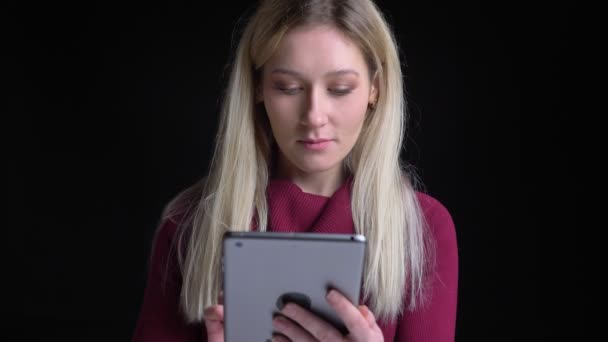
316,89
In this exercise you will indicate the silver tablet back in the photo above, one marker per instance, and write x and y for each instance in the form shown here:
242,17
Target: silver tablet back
263,271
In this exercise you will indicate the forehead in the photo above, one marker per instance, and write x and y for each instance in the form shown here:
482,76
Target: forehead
316,50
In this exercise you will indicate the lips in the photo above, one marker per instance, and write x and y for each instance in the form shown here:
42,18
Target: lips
314,141
315,144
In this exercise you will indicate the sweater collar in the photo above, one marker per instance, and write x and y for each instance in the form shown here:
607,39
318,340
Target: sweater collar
292,210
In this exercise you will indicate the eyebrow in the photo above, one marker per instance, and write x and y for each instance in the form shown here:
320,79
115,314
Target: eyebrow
330,73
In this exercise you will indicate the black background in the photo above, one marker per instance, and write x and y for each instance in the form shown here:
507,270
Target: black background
112,110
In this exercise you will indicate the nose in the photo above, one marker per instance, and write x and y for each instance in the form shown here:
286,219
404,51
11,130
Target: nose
315,112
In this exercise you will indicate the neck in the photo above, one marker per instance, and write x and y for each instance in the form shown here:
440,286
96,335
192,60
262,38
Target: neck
323,183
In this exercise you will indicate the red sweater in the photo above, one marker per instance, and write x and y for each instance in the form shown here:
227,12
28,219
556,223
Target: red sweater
291,209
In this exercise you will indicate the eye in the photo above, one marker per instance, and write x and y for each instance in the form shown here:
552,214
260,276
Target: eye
289,90
340,91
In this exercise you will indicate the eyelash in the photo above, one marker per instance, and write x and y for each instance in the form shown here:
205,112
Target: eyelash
289,91
341,92
293,91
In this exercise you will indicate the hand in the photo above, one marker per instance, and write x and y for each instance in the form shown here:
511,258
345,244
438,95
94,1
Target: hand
214,322
303,326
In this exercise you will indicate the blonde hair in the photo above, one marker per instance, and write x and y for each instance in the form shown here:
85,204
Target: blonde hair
384,204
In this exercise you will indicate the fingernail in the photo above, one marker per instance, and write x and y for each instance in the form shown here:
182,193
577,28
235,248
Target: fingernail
278,322
211,316
364,310
287,309
332,296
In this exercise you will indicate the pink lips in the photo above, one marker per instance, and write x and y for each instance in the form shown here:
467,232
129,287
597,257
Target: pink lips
315,144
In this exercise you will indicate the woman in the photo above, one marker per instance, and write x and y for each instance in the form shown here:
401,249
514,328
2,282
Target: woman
309,140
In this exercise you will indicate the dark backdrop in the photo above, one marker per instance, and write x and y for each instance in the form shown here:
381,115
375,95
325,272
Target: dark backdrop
114,110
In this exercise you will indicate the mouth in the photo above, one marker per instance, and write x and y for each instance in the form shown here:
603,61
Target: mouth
314,141
315,144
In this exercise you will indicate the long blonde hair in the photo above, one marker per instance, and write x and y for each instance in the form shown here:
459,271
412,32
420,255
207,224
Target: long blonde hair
384,204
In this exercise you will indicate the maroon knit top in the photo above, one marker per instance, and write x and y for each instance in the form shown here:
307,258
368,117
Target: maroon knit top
292,210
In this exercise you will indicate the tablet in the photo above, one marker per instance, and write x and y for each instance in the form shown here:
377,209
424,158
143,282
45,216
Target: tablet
263,271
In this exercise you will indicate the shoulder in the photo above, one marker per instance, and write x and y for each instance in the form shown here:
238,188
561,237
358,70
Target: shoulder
180,209
184,203
173,224
437,217
431,206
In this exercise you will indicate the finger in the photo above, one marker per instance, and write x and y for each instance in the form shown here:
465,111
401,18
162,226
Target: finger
279,338
291,330
364,310
356,324
315,326
214,313
221,298
368,315
214,323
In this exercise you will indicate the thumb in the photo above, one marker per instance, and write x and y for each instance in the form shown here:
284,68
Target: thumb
214,323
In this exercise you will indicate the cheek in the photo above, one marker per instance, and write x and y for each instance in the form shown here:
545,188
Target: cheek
354,108
275,114
272,101
280,106
281,120
354,115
